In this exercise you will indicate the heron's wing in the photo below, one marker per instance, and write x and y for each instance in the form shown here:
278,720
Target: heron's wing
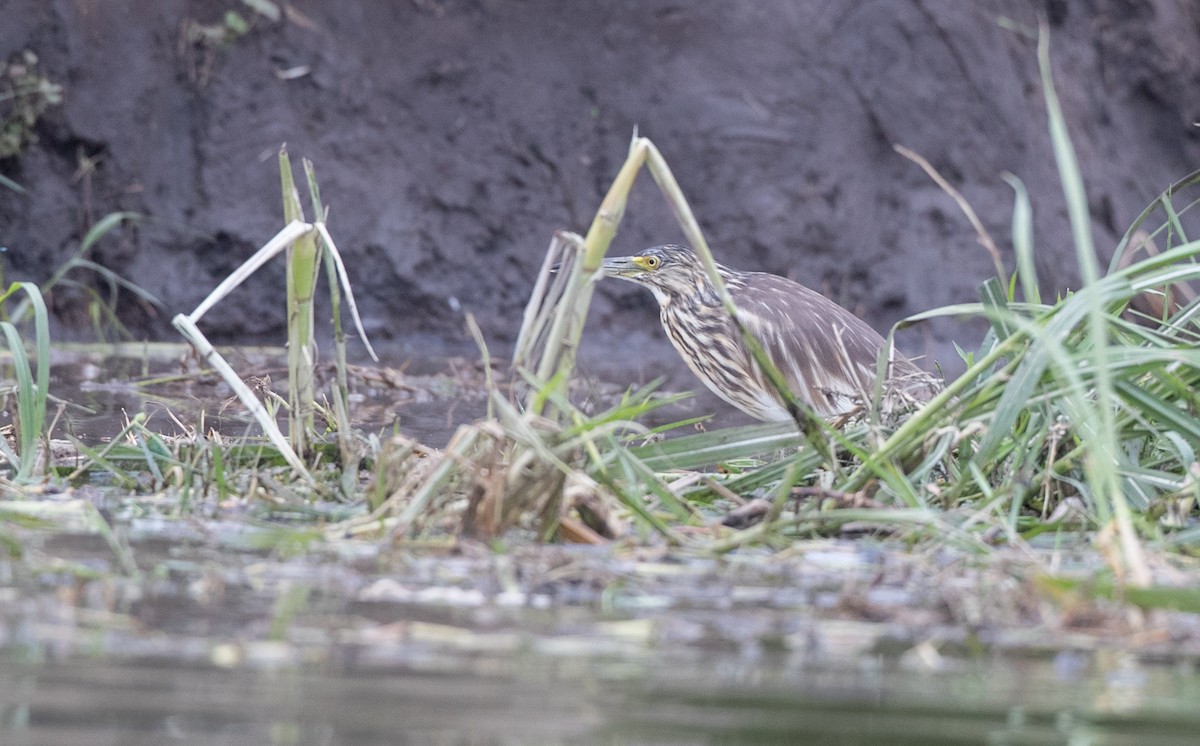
826,353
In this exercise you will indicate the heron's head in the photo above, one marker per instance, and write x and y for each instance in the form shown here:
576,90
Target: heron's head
669,271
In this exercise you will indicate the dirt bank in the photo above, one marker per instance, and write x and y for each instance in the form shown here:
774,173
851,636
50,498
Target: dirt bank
453,137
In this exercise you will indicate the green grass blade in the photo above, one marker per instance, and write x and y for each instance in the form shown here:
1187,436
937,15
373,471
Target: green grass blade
995,304
1187,181
32,388
103,226
10,184
1104,456
1022,238
705,449
27,436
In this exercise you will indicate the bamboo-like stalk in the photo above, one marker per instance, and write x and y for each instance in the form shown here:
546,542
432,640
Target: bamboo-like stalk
557,340
558,358
543,316
302,271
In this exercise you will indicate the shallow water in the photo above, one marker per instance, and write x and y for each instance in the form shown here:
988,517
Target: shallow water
426,399
227,636
534,699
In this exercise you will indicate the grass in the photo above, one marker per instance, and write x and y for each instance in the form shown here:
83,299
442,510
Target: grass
1074,421
26,94
31,391
101,306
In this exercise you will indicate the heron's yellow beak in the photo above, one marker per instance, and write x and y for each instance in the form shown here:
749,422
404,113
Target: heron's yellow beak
624,266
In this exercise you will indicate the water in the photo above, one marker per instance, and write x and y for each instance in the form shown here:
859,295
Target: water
527,699
226,636
425,399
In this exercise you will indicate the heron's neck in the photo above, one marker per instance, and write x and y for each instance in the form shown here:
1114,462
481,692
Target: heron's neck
701,294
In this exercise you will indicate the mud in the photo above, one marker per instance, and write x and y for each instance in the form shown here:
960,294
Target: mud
451,138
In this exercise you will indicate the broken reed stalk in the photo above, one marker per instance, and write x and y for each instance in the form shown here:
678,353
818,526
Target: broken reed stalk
558,356
294,231
186,325
553,316
341,387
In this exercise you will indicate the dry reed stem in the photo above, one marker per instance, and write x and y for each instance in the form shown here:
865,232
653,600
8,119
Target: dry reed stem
981,233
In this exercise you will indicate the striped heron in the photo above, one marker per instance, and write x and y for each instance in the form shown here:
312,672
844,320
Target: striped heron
826,354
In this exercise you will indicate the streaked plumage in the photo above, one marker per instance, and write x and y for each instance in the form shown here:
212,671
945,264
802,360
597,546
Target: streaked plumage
827,354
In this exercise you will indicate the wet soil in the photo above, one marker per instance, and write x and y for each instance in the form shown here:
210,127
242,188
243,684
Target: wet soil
451,138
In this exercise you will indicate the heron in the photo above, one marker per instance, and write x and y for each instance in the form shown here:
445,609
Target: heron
827,355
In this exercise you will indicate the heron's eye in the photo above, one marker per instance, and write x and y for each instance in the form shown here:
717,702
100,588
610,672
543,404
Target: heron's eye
653,262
